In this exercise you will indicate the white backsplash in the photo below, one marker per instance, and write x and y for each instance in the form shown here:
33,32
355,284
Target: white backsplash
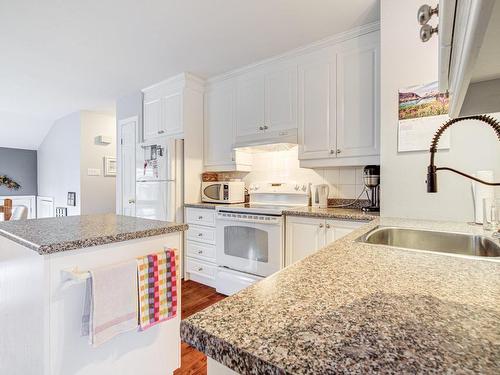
277,166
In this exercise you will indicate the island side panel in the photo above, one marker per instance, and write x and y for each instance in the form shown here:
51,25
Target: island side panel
155,351
23,310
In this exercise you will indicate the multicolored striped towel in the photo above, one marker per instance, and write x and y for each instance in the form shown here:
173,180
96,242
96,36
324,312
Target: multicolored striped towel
157,276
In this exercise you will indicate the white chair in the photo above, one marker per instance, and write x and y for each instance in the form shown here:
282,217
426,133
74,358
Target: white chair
19,213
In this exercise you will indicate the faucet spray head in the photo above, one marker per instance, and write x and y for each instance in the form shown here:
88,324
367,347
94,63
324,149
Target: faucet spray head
431,179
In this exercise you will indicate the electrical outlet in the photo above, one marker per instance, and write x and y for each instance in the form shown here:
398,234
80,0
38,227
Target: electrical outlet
93,172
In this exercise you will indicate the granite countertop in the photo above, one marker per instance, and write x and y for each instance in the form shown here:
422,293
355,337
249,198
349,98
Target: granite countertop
332,213
52,235
329,213
204,205
355,308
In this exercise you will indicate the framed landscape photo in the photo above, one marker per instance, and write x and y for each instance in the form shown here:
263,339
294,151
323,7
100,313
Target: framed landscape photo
422,109
109,166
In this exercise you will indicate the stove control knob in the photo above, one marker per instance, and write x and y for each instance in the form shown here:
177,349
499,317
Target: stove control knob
251,187
256,187
304,187
297,187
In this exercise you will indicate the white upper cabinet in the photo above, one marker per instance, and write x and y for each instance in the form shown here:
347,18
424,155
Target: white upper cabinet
172,116
164,105
250,106
266,104
358,97
338,108
219,129
281,99
152,116
317,111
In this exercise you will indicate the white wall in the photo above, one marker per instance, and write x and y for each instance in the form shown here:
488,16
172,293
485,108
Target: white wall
59,162
406,61
97,192
65,155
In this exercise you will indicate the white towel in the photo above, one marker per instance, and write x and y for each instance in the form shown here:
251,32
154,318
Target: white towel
111,302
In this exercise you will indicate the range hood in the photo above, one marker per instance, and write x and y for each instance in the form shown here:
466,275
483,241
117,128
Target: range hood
270,147
469,54
278,137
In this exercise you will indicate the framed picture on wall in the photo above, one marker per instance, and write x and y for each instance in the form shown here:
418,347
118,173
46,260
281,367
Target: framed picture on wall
109,166
422,110
71,198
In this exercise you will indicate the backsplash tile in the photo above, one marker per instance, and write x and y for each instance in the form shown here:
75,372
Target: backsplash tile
279,166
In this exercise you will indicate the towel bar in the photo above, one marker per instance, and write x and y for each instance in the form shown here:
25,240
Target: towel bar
74,275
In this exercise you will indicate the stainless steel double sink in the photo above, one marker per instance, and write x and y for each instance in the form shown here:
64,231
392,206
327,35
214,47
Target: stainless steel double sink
441,242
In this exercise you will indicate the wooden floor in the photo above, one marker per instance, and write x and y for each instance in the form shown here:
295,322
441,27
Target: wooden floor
195,297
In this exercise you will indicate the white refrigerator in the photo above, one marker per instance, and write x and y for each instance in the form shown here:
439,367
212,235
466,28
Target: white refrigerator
159,180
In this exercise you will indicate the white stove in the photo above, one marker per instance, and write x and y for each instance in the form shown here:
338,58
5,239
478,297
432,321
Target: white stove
250,237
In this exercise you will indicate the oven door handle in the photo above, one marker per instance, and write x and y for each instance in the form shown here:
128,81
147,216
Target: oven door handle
223,220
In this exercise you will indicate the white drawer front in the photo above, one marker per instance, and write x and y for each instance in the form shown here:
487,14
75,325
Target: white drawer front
199,216
201,268
201,251
201,234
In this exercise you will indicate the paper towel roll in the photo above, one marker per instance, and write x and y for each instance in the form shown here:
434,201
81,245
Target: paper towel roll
481,191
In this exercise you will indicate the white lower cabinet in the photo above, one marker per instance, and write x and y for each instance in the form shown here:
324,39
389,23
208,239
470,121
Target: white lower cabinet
201,265
27,201
306,235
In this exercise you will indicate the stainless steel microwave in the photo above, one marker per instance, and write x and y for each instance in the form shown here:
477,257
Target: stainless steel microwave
223,192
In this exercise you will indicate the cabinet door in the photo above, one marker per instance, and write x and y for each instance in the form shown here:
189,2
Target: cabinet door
336,229
250,99
317,112
219,125
357,97
152,117
304,236
281,99
171,122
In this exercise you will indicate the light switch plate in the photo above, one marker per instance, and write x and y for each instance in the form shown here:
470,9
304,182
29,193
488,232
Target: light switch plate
93,172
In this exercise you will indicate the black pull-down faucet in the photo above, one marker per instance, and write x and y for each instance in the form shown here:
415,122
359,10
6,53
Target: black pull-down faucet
432,169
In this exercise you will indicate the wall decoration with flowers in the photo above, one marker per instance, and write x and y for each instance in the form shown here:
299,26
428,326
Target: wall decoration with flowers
9,183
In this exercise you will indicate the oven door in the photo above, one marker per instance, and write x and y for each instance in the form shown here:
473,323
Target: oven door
250,243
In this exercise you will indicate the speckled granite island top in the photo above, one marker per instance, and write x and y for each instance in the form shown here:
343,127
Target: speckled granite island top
354,308
53,235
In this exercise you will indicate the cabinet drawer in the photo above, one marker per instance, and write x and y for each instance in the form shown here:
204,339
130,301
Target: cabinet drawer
201,234
201,251
199,216
201,268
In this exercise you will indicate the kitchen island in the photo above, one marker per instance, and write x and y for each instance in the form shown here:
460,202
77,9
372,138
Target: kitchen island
41,309
356,308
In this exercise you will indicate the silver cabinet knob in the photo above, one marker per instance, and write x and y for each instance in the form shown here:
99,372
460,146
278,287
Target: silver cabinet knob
327,226
200,217
131,201
261,128
426,32
200,234
321,225
339,151
332,151
200,251
200,269
161,131
266,127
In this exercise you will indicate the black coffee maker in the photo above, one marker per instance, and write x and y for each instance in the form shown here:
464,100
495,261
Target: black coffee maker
371,179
